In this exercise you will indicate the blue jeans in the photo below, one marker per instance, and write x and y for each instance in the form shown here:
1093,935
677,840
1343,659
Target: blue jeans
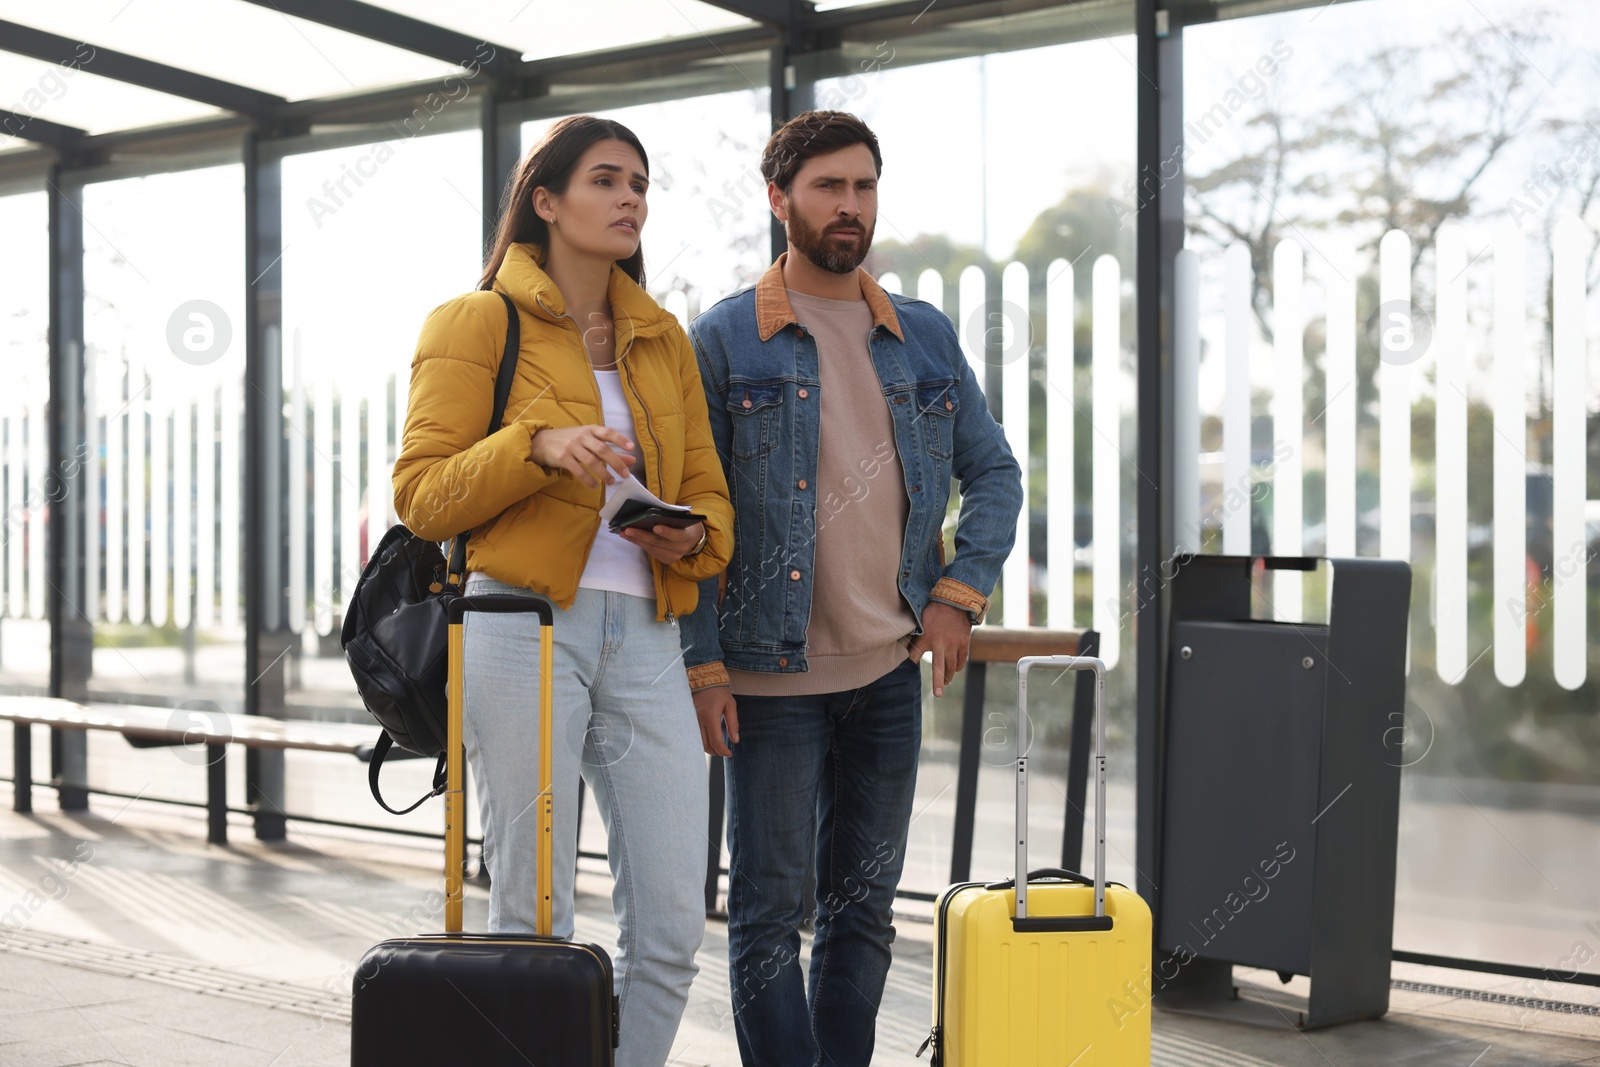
625,721
830,775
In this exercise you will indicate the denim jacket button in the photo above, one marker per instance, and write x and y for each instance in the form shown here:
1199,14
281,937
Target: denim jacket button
783,661
794,576
802,483
948,405
802,394
746,403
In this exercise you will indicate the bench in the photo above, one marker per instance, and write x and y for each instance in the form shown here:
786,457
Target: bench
990,644
148,727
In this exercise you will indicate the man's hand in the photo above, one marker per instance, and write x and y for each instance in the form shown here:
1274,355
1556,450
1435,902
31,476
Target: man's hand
947,631
585,452
668,544
715,706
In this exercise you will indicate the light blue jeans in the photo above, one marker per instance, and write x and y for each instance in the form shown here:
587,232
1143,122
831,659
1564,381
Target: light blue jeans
624,720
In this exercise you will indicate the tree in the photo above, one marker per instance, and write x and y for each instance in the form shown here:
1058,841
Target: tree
1393,164
926,251
1084,225
1414,168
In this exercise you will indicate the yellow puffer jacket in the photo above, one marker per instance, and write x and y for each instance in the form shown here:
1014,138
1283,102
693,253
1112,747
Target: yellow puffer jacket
534,526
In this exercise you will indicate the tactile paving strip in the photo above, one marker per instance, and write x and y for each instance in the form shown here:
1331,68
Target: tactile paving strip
178,972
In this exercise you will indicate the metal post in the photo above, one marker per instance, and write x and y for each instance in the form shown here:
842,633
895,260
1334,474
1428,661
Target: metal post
502,149
217,794
265,539
68,489
716,785
1159,238
1082,741
794,83
967,771
22,767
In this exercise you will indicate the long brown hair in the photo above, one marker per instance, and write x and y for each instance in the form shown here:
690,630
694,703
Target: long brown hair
550,163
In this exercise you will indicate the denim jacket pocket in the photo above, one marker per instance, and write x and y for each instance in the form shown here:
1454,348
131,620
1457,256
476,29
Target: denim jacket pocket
756,409
937,405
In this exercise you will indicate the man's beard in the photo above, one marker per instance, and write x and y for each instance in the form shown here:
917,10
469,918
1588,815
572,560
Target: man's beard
815,246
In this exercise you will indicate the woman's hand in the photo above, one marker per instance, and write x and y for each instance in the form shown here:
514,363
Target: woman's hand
586,453
668,544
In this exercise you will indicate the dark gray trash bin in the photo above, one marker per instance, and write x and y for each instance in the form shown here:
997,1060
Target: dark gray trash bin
1281,788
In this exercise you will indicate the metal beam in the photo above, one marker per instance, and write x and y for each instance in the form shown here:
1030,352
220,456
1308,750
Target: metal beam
145,73
687,48
397,30
920,16
519,90
40,131
772,12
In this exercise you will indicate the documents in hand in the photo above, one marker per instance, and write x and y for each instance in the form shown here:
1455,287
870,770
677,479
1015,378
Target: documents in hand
629,498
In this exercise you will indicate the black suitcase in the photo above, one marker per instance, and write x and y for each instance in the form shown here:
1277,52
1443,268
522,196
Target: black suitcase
486,999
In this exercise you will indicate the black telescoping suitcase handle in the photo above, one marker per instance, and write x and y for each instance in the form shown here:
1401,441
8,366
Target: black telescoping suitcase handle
501,603
1059,874
1099,920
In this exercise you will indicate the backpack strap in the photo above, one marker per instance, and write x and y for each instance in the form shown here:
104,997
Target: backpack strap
379,751
455,572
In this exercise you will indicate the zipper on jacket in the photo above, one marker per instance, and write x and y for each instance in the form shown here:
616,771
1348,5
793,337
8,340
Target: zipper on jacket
600,406
661,476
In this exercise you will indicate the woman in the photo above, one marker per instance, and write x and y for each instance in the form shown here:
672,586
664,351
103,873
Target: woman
606,387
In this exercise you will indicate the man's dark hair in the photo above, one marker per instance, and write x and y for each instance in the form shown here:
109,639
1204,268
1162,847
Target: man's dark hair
813,133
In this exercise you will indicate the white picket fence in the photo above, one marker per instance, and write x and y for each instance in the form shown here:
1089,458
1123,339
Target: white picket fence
343,437
1502,391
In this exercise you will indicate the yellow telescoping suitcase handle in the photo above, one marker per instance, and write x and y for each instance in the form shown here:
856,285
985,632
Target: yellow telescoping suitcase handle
455,805
1099,920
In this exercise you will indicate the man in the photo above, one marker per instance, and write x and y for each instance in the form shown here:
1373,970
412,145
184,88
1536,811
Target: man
841,414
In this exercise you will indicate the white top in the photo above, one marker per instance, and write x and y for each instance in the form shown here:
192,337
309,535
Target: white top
614,564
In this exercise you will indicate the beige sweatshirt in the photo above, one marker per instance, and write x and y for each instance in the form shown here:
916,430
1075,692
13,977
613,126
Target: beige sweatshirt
859,620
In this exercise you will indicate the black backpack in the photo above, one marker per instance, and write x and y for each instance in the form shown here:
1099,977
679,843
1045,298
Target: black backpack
395,636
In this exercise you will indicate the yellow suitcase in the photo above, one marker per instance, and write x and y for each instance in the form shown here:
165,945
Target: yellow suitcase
1050,967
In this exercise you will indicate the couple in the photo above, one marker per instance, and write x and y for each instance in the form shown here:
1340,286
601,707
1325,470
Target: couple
837,415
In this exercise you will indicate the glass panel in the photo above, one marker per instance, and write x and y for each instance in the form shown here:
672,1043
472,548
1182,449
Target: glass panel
362,267
1026,242
244,43
1428,185
707,231
72,95
543,30
24,444
164,355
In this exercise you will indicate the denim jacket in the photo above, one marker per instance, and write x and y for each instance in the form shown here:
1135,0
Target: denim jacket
759,369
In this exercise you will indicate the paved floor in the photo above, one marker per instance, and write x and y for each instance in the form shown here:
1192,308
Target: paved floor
124,939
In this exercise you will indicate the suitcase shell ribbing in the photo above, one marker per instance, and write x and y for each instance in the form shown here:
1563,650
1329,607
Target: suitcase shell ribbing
1019,999
1060,977
486,999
